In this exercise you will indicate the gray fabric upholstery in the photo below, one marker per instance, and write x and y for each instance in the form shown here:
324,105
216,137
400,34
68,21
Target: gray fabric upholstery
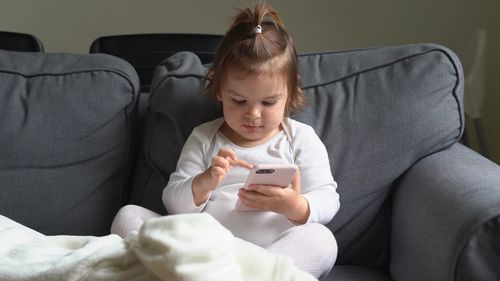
355,273
378,111
65,134
446,219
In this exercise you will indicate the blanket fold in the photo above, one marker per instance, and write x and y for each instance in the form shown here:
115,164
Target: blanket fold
172,248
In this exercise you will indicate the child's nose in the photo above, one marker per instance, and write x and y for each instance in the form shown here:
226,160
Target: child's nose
253,112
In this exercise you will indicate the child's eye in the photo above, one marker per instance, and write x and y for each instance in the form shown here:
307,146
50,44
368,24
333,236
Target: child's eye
268,103
239,101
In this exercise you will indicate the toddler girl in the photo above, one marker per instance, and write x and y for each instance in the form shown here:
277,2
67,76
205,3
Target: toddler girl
255,77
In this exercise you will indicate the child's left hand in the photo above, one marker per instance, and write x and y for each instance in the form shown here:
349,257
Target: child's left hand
287,201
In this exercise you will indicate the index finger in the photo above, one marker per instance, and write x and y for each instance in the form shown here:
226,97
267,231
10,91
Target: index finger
227,152
241,163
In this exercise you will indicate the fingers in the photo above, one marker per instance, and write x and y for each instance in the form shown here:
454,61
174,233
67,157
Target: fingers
296,182
221,163
281,200
227,153
268,190
241,163
252,199
232,158
265,197
218,172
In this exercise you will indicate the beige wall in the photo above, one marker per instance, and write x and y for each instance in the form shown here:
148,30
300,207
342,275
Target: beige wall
71,26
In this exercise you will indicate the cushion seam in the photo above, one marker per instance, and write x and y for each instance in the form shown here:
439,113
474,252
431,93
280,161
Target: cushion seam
117,72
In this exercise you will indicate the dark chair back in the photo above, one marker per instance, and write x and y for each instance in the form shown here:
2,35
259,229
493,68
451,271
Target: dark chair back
21,42
145,51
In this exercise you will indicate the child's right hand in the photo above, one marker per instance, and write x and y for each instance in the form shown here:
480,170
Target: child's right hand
207,181
222,163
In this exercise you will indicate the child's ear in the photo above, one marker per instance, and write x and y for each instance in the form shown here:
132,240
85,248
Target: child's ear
211,74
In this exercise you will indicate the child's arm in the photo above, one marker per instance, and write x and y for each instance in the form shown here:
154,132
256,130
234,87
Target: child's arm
181,193
318,185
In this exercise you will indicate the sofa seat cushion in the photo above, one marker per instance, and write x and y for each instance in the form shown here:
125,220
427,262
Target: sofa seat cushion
356,273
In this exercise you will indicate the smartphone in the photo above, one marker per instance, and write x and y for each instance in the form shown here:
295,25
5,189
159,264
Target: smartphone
268,174
271,174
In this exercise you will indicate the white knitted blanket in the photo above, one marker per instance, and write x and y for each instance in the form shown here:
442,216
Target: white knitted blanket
179,247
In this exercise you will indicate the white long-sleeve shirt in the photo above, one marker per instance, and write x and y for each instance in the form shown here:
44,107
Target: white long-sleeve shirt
297,144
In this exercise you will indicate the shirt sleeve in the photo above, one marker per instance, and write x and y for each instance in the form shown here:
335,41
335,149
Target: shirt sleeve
177,195
317,183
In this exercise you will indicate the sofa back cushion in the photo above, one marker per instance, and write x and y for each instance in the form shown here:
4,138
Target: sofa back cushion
65,130
378,111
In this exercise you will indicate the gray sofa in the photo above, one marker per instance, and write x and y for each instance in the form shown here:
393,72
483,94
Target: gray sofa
415,203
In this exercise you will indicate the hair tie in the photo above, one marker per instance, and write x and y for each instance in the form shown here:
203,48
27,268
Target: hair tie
257,29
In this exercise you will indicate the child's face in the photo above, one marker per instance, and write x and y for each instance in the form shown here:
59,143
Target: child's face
253,107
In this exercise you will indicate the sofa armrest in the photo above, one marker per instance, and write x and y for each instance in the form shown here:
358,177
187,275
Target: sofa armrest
446,219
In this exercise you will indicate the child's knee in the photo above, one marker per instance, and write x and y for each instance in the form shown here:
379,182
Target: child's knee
325,238
128,218
322,245
325,246
128,211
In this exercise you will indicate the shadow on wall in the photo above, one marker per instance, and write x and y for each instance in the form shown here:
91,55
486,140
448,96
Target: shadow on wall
474,88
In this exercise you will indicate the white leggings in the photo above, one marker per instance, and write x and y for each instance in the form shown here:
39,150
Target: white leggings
313,238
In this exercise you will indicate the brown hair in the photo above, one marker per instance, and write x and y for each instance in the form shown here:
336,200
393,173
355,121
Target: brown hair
246,50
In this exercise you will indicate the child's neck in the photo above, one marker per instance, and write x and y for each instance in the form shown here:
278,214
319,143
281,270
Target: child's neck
240,141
